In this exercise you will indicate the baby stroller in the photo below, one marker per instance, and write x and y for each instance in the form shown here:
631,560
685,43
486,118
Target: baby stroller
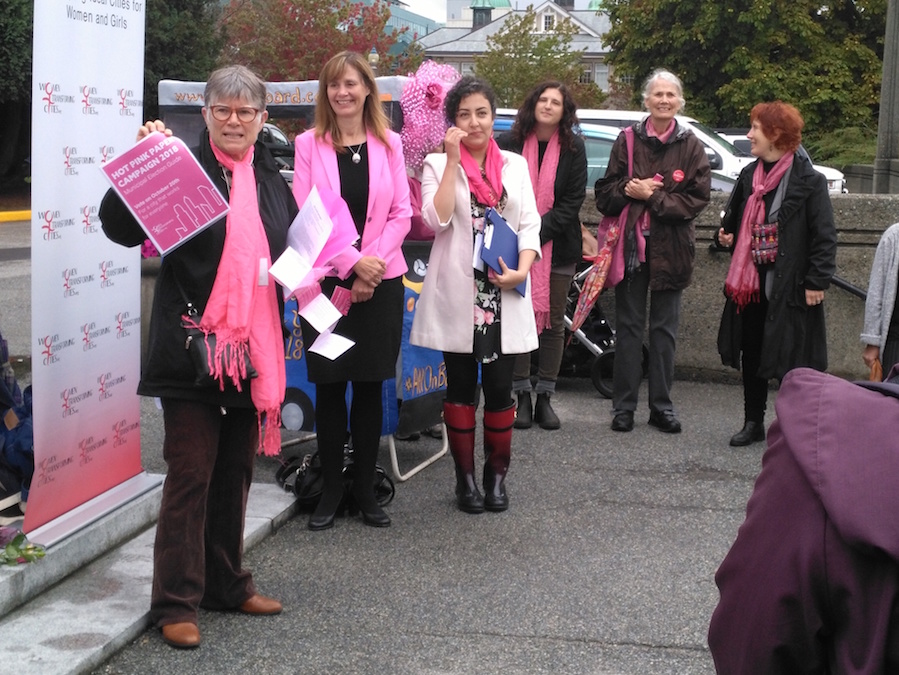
591,348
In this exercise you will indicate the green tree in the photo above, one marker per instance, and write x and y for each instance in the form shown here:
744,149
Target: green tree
517,58
825,59
292,39
15,87
183,42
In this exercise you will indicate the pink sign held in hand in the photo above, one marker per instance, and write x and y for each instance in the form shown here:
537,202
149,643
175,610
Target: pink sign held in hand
166,190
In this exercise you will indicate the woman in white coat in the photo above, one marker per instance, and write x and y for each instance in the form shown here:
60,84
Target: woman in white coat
474,316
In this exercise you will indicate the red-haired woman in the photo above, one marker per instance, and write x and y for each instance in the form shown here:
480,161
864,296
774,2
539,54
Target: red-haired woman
779,224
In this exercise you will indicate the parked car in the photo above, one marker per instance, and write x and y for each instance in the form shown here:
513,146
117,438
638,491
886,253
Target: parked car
836,181
278,144
598,140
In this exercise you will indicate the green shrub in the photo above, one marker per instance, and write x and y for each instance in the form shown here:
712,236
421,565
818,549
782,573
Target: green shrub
849,145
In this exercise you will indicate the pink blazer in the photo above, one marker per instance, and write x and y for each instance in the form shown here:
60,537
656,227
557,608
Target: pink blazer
389,212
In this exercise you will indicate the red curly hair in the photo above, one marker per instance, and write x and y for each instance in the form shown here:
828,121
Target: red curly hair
781,123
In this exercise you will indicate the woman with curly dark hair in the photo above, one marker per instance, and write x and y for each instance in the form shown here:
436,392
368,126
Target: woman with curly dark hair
470,313
544,134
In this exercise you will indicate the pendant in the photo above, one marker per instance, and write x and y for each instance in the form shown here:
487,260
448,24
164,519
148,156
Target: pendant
356,158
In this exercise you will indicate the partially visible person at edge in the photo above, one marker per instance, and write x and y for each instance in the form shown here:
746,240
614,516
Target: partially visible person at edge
880,333
811,583
212,432
669,187
543,133
779,223
475,316
352,151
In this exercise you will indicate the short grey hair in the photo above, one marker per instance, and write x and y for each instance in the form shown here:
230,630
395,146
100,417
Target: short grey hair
667,76
235,82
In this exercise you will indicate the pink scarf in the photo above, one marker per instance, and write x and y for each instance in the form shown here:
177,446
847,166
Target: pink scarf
543,180
487,192
742,284
242,313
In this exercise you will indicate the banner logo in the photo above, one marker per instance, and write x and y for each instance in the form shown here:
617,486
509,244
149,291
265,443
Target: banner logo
71,280
48,228
72,160
52,96
90,100
70,398
121,430
108,270
47,468
51,347
127,102
89,220
87,447
123,323
107,152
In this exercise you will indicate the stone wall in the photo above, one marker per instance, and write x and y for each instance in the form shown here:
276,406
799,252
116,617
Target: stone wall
860,220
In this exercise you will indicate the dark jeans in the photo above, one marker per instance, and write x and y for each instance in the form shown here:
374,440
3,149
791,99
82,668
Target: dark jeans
552,342
199,537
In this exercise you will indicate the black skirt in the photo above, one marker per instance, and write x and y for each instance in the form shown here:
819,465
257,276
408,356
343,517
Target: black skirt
375,326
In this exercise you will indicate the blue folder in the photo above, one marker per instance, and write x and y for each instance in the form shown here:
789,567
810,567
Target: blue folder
500,241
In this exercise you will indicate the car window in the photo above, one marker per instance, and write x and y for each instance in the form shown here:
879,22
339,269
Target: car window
275,135
598,151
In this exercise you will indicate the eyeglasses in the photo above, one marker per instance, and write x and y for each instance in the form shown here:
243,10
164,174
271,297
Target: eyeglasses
223,113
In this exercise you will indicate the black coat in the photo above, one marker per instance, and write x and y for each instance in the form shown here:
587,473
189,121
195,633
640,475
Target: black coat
686,192
168,371
562,223
795,333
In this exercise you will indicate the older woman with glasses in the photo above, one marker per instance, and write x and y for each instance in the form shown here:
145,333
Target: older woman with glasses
212,431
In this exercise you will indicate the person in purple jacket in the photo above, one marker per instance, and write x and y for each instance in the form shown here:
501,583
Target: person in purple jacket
811,584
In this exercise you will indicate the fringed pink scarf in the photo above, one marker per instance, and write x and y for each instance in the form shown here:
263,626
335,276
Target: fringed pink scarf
543,180
742,284
487,192
242,313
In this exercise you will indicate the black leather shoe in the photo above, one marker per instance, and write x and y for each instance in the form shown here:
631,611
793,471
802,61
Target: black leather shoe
524,413
623,421
752,432
374,516
321,521
544,415
665,421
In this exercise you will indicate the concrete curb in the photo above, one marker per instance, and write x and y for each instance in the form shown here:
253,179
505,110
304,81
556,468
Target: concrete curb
91,614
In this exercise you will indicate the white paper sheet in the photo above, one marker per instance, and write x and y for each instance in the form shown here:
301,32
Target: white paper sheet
330,345
321,313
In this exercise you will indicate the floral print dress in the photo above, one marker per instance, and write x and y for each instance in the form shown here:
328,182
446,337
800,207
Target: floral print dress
487,299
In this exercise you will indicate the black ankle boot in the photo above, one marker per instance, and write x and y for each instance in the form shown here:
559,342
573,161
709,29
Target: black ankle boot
326,509
544,415
752,432
524,416
372,513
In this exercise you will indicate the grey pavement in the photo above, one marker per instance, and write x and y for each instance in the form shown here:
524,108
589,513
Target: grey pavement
603,564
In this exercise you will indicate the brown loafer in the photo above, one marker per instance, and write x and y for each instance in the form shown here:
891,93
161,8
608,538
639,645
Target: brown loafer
183,635
260,605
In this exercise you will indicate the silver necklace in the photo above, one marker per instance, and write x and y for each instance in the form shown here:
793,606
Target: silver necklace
356,156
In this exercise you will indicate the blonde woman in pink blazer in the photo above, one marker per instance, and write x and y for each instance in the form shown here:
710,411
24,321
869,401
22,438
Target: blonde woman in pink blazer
353,152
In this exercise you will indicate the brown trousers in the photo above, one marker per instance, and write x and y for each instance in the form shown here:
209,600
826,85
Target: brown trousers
199,535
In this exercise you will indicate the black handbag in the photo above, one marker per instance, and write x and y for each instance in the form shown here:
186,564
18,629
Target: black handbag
302,475
200,346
